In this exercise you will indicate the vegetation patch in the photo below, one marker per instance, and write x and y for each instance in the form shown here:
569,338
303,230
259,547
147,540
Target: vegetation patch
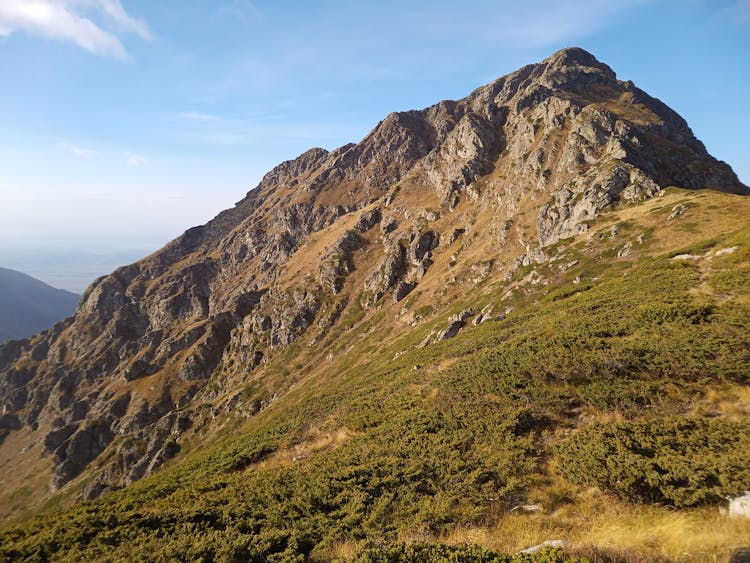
676,461
732,281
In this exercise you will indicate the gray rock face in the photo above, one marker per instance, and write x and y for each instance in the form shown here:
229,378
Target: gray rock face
338,261
457,322
585,198
368,220
78,449
559,141
483,316
402,290
390,270
467,153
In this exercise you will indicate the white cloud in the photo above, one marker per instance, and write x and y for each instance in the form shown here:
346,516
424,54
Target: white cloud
77,151
135,160
117,13
63,20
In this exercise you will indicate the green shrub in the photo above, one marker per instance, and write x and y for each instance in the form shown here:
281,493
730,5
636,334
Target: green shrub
676,461
732,280
658,313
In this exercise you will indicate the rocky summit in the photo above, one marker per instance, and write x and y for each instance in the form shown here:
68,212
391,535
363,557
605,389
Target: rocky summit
372,242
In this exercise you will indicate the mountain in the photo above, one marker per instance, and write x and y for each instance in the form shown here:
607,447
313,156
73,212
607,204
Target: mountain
28,305
406,340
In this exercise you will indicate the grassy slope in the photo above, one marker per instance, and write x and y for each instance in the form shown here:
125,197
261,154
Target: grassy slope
386,442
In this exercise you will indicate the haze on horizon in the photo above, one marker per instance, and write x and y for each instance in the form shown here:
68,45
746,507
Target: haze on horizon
123,123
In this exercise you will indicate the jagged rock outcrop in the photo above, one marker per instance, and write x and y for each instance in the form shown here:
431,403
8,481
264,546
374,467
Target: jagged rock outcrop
337,263
388,272
456,323
536,154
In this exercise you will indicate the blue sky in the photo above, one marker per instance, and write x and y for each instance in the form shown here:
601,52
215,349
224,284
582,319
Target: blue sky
122,123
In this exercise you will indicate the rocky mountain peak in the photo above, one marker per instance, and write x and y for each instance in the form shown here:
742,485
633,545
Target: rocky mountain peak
576,60
571,69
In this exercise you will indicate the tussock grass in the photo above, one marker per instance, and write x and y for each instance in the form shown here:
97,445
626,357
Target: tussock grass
698,535
631,532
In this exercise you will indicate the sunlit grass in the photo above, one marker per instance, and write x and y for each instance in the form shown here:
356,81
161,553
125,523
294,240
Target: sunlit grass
594,519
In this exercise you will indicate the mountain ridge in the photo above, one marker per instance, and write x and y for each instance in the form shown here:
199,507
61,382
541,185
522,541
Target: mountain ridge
28,305
495,180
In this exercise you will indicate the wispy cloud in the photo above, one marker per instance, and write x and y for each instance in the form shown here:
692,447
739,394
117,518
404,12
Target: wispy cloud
66,20
114,10
243,11
567,20
80,152
135,160
199,116
245,133
528,25
222,130
741,11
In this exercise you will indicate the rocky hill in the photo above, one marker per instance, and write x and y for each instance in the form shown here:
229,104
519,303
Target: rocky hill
369,247
29,306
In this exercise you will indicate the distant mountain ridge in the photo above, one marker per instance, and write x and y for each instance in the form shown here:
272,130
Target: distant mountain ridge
29,306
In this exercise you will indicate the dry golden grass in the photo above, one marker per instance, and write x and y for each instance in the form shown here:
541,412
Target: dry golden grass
729,401
317,440
25,473
697,535
594,518
342,551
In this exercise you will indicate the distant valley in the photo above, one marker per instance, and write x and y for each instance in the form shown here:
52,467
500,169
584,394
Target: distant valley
65,268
